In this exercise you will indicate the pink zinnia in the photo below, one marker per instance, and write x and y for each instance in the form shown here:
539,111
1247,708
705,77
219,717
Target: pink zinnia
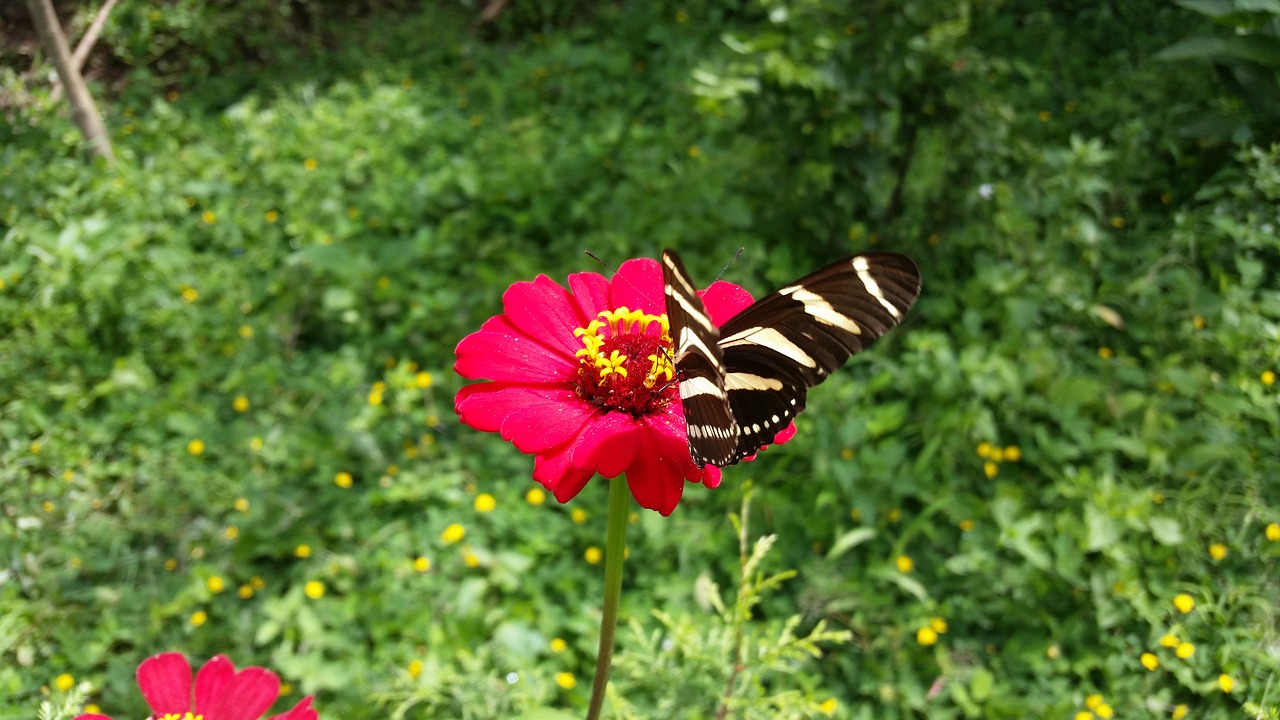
582,379
220,693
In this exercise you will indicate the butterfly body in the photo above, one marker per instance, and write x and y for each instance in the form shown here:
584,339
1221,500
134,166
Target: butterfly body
744,382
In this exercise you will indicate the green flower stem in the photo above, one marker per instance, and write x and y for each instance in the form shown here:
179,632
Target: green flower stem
614,549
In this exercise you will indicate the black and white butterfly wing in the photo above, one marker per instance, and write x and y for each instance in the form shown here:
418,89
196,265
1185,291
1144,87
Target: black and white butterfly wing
713,433
745,382
793,339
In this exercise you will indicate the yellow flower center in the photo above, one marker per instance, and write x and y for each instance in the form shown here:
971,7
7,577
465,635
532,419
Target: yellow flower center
625,361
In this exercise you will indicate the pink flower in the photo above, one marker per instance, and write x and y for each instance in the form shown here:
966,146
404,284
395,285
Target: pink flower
582,379
220,692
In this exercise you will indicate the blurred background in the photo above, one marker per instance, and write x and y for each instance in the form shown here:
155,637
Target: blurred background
226,418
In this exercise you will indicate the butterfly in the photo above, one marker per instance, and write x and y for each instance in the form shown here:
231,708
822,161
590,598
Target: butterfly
744,382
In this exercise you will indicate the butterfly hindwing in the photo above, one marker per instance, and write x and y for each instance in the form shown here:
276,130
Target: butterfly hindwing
767,356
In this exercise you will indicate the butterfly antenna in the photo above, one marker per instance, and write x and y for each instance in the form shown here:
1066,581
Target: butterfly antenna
729,264
595,257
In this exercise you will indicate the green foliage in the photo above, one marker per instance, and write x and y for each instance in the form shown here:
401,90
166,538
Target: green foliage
998,504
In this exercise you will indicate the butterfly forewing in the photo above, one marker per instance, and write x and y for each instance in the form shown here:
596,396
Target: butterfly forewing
713,434
771,353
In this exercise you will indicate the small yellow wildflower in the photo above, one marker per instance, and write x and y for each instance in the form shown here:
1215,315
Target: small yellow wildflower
578,516
1179,712
272,216
566,680
535,496
1217,551
1184,650
895,515
423,380
695,151
195,447
199,618
1184,602
209,217
1117,222
231,532
1053,652
302,551
846,454
375,397
984,449
997,455
171,564
314,589
1226,682
1157,497
47,506
593,555
453,534
1197,322
415,669
470,559
1149,661
245,591
926,636
241,504
1084,715
558,645
68,475
1012,453
828,706
966,525
1268,377
938,624
255,444
343,479
990,468
246,331
1045,115
904,563
92,709
310,164
1106,353
257,582
286,689
1169,640
384,282
485,503
1093,701
64,682
1273,532
240,404
1104,711
215,584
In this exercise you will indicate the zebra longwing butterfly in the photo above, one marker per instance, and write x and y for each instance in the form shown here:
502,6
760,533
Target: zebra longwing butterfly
744,382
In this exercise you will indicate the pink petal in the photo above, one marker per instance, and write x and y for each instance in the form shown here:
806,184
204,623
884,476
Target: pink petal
497,352
656,478
545,311
91,716
224,694
590,294
638,286
486,406
724,300
547,424
556,473
608,445
165,682
301,711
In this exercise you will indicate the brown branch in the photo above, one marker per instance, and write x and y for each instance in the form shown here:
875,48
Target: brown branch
87,41
83,111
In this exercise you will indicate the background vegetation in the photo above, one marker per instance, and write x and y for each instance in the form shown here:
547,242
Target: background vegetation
226,401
